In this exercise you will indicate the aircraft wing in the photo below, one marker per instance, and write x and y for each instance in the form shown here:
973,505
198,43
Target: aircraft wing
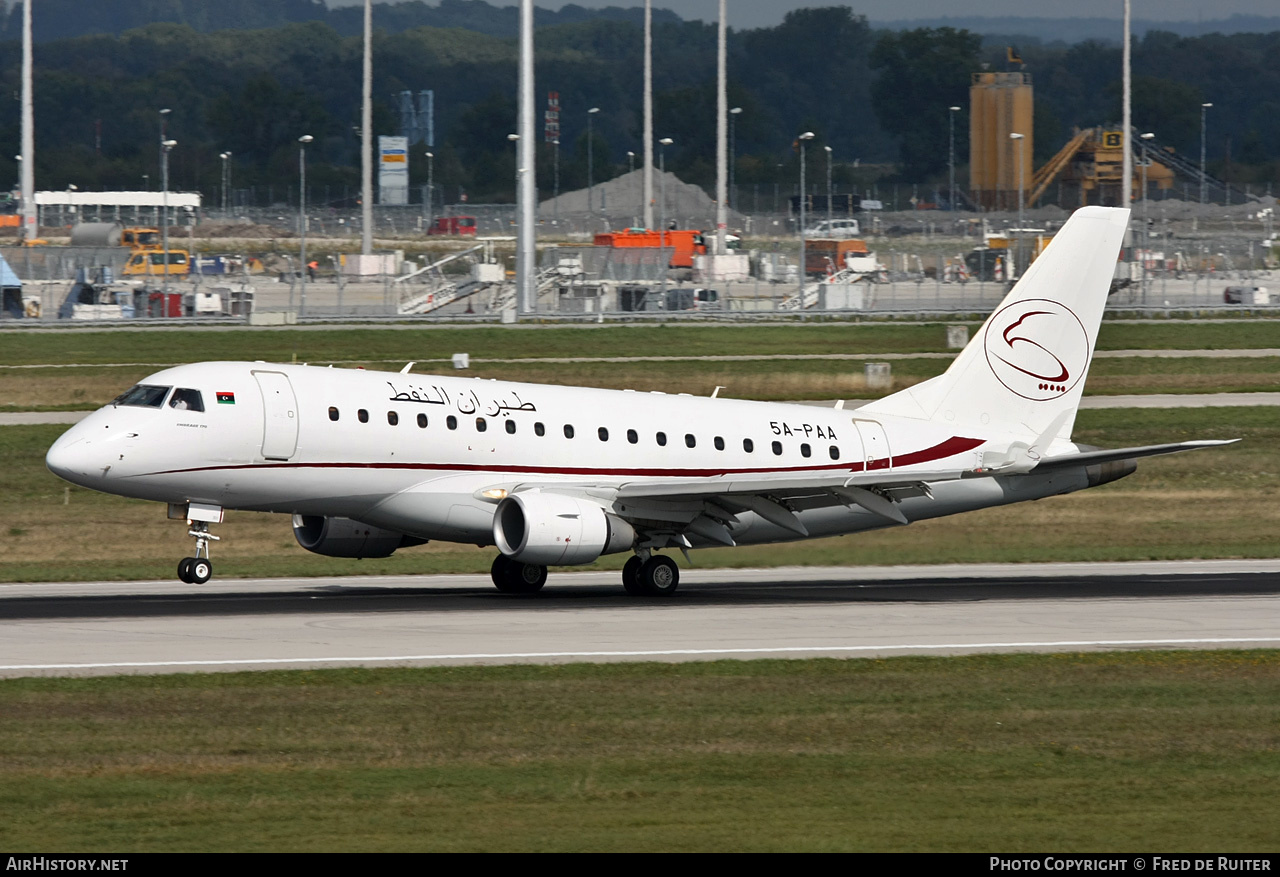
708,506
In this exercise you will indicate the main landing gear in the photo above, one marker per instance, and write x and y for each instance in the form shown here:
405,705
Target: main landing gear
651,576
654,576
199,569
513,577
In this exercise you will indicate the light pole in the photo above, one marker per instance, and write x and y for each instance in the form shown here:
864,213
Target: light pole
164,119
302,216
806,136
591,188
226,179
827,149
1145,138
733,156
631,162
1204,184
951,153
165,146
662,210
431,190
555,196
1146,237
1018,138
515,141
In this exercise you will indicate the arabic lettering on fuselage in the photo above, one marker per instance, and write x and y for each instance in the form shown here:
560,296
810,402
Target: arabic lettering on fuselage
466,401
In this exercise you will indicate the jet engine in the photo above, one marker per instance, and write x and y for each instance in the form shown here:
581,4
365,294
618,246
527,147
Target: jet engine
548,529
343,537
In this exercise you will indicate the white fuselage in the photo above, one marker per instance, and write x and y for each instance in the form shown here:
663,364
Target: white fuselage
417,453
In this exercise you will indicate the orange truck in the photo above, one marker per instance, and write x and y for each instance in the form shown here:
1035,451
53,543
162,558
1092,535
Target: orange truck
686,244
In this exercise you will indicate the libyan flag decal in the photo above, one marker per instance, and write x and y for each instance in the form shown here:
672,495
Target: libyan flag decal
226,398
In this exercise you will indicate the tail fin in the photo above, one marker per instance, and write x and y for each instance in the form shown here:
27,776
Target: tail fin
1024,372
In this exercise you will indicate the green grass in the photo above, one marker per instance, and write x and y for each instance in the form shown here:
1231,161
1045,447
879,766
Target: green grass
87,387
1217,503
405,343
1020,753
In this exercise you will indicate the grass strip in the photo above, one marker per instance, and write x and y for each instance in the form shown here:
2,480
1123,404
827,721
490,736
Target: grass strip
402,343
88,387
1020,753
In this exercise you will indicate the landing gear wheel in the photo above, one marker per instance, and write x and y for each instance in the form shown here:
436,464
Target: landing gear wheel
200,571
659,576
513,577
498,572
631,576
184,570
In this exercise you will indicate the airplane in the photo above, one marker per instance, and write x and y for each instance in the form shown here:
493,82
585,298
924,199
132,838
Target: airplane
368,462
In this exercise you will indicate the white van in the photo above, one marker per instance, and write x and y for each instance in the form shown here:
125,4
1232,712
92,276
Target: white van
838,229
1246,295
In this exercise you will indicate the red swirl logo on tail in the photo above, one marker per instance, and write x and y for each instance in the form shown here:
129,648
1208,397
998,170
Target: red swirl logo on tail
1038,349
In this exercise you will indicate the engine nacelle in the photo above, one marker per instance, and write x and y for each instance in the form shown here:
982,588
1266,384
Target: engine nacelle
343,537
548,529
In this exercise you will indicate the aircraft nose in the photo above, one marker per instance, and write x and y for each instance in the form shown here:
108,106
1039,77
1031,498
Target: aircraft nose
70,458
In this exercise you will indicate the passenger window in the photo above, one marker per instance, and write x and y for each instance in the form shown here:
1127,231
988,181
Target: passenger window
187,400
481,424
539,429
662,439
748,445
422,421
835,452
777,448
603,433
804,449
511,427
633,436
333,413
451,422
393,418
362,416
719,443
568,431
689,440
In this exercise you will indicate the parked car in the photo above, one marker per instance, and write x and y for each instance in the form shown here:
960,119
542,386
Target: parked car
835,228
1246,295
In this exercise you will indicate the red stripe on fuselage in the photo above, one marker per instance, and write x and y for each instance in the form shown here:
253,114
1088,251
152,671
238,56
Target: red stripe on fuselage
942,450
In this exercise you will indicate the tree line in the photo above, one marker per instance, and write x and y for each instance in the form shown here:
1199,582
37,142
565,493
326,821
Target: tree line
879,99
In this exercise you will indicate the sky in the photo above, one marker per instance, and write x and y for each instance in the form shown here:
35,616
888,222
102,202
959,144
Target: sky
767,13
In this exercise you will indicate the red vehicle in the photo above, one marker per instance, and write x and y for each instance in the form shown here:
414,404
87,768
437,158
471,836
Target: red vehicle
455,225
685,244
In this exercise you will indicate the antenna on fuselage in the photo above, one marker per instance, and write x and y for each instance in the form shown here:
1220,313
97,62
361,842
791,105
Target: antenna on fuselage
407,366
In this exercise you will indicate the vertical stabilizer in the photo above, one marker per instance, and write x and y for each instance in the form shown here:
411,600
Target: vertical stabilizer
1024,372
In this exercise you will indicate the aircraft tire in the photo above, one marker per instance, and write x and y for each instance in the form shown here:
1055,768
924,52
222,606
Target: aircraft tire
513,577
184,570
498,572
526,578
200,571
631,576
659,576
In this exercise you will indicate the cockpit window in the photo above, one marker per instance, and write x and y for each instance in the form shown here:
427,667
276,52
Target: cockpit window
142,396
189,400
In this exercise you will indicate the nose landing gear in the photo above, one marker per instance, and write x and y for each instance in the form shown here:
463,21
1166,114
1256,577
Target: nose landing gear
199,569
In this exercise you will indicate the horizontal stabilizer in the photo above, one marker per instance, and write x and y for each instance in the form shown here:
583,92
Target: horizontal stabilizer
1090,458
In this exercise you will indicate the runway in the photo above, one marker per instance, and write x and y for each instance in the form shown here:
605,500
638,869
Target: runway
166,627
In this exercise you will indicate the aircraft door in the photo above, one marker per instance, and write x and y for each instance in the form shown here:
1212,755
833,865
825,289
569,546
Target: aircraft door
279,415
875,445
